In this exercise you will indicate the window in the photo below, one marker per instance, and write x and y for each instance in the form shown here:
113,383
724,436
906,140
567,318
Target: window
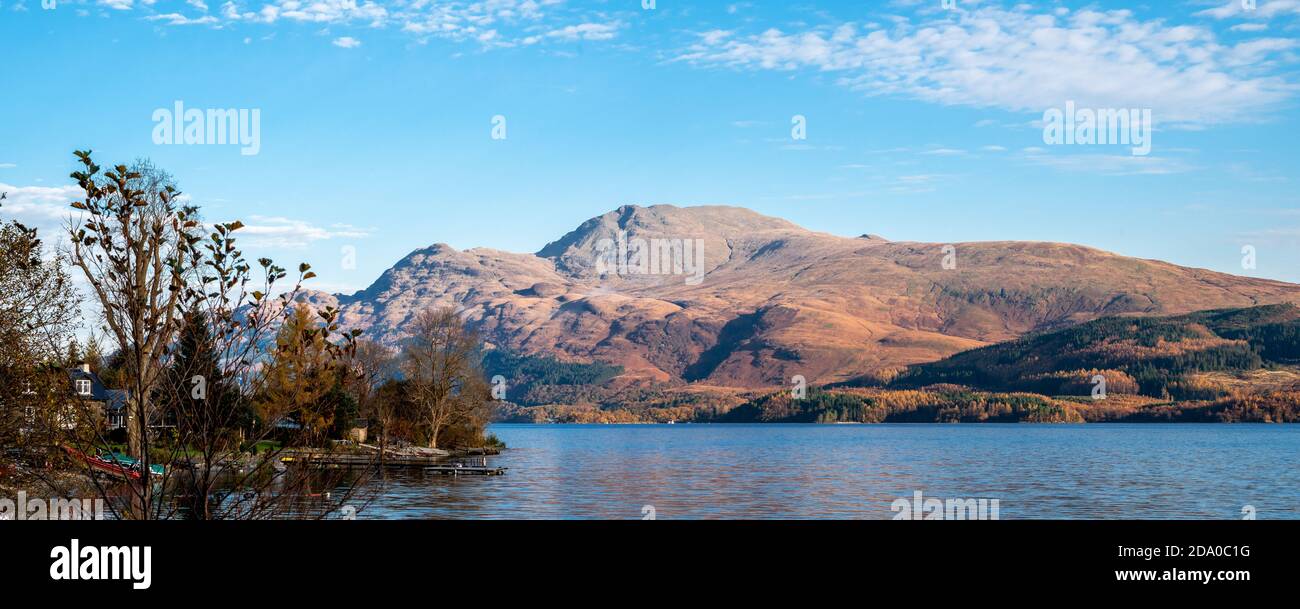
83,387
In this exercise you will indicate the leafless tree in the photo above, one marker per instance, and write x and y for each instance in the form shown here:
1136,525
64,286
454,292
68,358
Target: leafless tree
131,243
441,362
371,365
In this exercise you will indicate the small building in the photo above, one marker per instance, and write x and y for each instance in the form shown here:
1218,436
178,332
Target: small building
88,387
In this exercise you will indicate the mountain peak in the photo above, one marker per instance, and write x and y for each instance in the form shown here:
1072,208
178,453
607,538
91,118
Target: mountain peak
716,225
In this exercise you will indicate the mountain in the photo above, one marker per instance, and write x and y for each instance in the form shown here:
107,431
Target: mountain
728,297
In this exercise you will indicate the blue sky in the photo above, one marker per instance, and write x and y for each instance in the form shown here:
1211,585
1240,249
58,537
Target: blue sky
923,123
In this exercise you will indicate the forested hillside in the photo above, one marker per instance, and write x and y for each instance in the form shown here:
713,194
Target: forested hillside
1211,366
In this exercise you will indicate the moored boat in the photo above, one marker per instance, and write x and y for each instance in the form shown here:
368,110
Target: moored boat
115,463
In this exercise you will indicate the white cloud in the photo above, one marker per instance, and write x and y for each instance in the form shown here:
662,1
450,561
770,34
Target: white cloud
1105,164
1022,60
263,231
41,207
48,208
1264,9
347,42
586,31
944,152
179,19
318,11
501,23
477,15
490,23
920,178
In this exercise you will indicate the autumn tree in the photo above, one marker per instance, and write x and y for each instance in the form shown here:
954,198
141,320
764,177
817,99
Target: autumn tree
303,370
94,354
38,312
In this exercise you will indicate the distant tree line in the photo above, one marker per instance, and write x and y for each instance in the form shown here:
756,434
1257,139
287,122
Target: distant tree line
532,378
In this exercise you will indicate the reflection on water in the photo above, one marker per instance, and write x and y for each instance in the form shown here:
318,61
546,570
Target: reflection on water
856,471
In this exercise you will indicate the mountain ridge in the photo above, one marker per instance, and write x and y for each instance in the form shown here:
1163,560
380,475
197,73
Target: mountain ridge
774,299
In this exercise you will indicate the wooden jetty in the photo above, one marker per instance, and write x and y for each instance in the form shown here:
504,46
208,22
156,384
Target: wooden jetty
432,464
466,470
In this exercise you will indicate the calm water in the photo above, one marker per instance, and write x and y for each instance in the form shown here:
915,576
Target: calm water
856,471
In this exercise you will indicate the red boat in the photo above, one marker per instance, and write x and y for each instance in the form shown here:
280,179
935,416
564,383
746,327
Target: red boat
111,464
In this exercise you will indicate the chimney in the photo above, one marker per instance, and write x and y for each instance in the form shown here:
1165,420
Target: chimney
85,367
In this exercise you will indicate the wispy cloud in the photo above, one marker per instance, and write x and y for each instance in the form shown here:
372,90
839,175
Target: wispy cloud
280,232
491,23
1263,9
321,11
347,42
179,19
1025,59
48,208
44,208
585,31
944,152
1105,164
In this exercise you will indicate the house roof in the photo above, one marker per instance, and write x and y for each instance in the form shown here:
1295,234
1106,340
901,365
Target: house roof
116,400
113,399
